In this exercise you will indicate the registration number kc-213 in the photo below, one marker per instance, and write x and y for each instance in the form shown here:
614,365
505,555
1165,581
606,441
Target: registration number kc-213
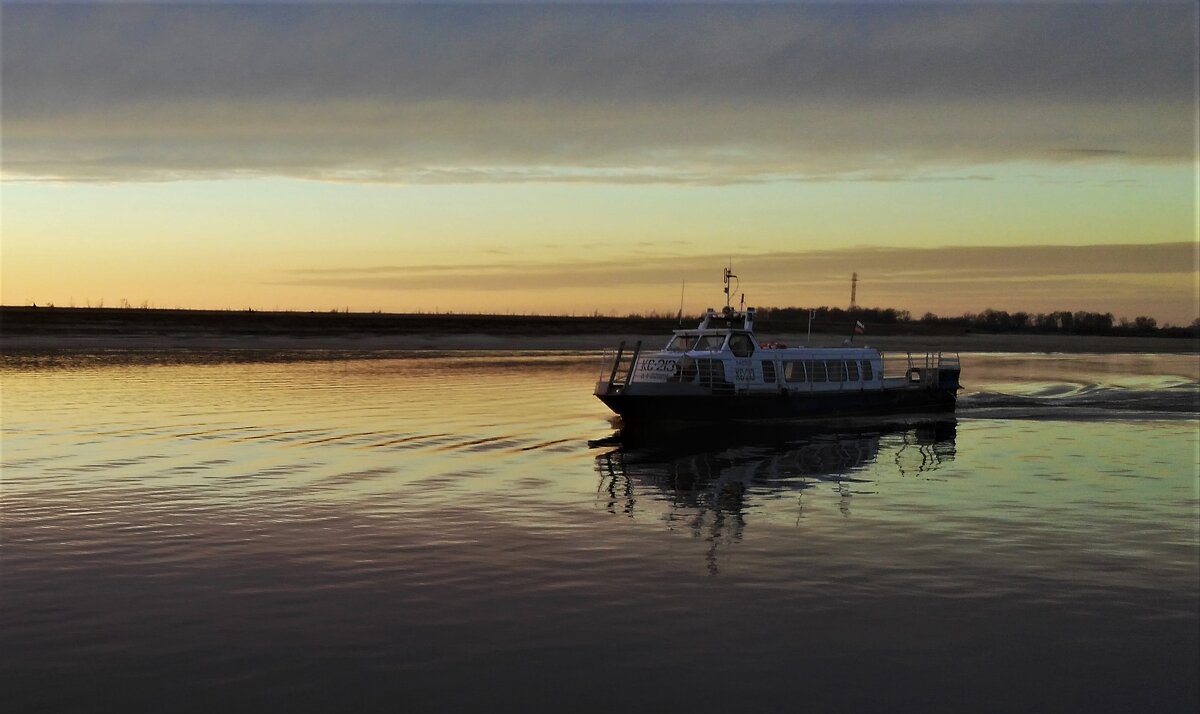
656,364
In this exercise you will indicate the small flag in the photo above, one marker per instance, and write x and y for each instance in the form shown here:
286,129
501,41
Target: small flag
859,328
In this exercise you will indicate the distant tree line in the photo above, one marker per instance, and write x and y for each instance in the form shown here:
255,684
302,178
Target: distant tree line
998,321
1079,322
823,319
879,316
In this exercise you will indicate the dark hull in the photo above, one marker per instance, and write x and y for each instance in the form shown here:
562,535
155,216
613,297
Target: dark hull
636,410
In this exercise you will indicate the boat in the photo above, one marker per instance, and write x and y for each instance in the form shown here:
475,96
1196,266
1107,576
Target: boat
719,372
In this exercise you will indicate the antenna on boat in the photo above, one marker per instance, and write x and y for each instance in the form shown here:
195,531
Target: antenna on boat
729,274
682,287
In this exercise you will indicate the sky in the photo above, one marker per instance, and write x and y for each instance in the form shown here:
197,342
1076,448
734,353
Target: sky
601,158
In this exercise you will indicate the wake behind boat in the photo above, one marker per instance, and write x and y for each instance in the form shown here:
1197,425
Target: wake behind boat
720,372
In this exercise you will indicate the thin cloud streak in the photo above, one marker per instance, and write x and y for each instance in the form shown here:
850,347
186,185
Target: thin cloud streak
892,267
1126,280
611,94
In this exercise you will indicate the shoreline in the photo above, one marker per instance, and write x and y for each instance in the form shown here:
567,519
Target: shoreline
28,330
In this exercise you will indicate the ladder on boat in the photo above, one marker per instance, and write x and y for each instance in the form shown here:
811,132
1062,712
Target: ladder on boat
622,368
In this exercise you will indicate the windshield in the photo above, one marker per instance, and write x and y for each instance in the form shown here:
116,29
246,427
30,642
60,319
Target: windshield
690,343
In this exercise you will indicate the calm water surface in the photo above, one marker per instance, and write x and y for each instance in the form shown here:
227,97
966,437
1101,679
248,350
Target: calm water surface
410,531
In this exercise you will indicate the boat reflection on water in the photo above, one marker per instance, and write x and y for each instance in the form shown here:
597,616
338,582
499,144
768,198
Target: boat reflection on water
710,481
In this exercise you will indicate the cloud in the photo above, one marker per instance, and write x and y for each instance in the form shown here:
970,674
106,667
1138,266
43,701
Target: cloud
882,267
1154,279
608,94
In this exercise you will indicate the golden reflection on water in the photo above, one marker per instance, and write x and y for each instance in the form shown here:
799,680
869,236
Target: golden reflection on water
481,430
400,420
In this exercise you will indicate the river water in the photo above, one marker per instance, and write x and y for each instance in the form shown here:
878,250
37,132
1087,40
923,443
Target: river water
339,531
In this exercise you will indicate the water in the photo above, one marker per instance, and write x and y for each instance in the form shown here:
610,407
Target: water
409,531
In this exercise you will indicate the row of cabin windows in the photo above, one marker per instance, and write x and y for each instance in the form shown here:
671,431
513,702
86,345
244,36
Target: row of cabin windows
741,345
700,343
820,371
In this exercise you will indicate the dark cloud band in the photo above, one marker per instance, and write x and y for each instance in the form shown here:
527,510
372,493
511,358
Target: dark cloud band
662,93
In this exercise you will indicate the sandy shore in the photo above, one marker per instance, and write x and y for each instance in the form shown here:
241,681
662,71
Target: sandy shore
20,343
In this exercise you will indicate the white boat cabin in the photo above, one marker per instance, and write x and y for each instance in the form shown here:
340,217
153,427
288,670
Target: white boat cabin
723,354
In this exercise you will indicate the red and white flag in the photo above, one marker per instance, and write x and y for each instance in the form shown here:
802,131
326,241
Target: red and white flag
859,328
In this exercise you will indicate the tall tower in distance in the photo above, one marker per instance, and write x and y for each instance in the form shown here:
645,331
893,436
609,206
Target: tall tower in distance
853,291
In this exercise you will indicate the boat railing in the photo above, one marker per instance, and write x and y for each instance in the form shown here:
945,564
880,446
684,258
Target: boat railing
711,373
920,369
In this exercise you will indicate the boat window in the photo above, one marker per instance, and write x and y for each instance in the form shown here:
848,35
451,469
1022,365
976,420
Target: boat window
837,373
690,343
793,371
682,343
741,345
867,373
816,371
852,370
710,371
768,372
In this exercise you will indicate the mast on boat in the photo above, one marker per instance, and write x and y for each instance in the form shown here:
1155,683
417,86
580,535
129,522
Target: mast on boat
729,274
728,313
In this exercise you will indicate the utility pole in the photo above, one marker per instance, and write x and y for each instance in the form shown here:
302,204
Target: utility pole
853,291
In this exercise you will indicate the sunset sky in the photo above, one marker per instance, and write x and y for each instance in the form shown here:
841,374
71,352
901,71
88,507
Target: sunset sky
572,158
